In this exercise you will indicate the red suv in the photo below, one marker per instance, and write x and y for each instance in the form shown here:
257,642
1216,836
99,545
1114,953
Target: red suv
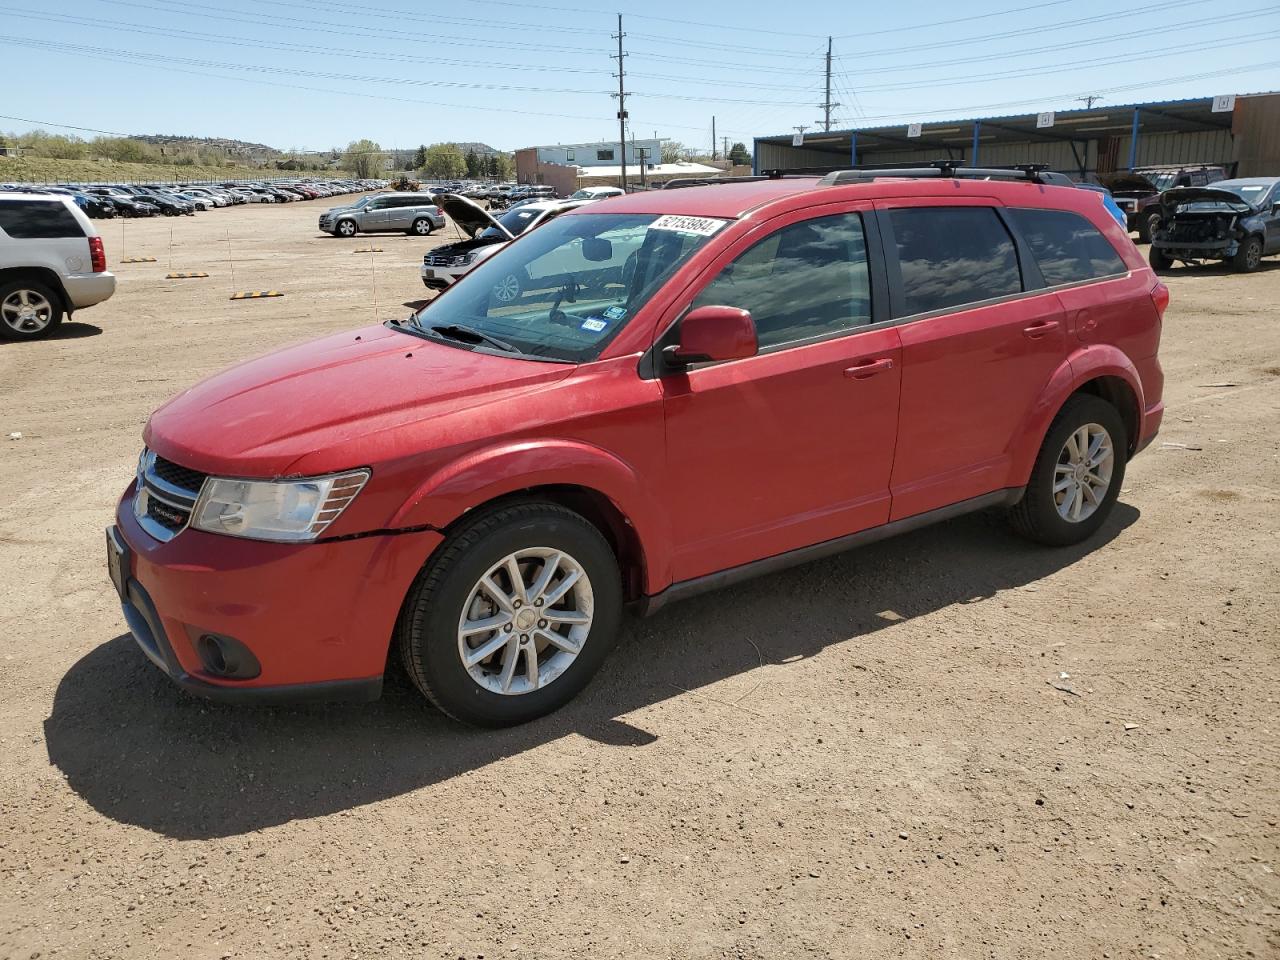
695,386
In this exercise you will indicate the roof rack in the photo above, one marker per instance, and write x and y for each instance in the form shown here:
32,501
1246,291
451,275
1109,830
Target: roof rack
941,169
677,182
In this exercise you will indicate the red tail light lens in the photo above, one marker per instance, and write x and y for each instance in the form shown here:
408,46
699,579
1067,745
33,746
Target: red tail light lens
439,212
1160,296
97,255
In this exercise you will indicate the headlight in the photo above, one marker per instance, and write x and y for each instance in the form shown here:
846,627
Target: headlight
285,510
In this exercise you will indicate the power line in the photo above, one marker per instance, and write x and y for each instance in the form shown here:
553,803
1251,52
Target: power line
945,23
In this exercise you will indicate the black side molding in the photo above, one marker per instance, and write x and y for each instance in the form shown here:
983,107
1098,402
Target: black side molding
647,606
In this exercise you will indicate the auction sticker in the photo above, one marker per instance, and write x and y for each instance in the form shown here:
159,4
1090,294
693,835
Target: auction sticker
698,226
594,324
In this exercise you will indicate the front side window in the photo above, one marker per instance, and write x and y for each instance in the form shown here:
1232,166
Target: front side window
807,280
565,290
951,256
1067,247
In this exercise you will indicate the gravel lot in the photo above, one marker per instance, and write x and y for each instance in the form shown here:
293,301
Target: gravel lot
867,756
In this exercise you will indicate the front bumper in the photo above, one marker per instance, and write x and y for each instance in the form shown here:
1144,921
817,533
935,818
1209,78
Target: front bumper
1207,250
437,278
318,617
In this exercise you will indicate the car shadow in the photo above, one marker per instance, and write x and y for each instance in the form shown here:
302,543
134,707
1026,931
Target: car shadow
143,753
67,330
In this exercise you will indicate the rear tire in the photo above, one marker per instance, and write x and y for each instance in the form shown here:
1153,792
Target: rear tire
421,227
29,310
1044,513
1159,260
451,593
1249,257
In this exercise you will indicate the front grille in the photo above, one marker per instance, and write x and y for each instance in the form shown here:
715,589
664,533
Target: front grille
445,260
169,517
187,479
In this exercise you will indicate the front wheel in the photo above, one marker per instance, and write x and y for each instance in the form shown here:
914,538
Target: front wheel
1077,474
1148,226
513,615
1249,257
1159,260
346,228
507,290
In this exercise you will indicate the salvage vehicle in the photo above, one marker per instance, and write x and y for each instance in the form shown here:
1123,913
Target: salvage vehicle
793,367
486,235
1234,220
412,213
52,263
1137,191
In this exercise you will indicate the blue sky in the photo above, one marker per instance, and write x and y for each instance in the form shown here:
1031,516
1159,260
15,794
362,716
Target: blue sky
318,73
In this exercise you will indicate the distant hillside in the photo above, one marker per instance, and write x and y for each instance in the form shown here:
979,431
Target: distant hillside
482,149
222,145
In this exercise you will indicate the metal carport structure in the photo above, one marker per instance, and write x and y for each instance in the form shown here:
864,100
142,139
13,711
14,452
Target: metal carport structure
1243,138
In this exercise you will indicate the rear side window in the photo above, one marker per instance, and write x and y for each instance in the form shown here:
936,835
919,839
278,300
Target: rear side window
951,256
38,220
1068,247
807,280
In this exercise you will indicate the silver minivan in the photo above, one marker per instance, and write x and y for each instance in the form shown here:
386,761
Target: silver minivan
413,213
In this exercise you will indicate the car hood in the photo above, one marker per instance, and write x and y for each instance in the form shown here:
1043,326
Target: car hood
468,215
330,404
1128,182
1179,195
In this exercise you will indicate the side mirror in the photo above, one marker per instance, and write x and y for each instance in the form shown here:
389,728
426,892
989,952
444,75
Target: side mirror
714,333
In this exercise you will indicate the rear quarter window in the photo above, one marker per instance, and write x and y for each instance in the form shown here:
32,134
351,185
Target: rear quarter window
1068,248
951,256
38,220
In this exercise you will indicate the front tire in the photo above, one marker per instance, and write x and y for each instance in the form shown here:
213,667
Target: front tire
512,616
1249,257
28,310
1159,260
1148,226
347,228
1077,474
421,227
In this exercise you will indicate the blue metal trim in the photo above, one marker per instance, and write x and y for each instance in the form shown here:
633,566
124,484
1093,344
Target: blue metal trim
1133,139
977,128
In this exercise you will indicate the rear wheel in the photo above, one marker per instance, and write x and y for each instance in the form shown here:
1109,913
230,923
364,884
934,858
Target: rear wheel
513,615
1077,474
421,227
1249,257
28,310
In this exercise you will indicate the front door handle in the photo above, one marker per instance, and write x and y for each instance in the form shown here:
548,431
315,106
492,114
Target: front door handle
868,368
1039,329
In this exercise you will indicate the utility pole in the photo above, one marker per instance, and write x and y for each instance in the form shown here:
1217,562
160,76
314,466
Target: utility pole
1089,100
827,103
726,148
622,105
713,137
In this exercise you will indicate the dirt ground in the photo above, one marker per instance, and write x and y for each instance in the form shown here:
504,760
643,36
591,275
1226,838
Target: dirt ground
869,756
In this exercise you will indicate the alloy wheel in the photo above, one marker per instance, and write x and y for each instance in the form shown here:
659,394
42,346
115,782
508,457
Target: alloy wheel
507,289
26,311
1082,475
525,621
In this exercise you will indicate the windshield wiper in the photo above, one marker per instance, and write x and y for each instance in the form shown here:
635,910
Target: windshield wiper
459,331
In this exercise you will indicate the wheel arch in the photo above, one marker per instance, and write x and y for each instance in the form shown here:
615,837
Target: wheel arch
1098,370
42,275
591,481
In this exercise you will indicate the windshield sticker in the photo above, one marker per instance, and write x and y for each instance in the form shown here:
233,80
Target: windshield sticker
615,313
594,324
698,226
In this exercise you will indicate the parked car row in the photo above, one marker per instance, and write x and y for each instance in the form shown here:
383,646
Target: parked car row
107,200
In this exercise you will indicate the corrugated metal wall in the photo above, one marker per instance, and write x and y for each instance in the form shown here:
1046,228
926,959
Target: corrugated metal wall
1163,149
1257,128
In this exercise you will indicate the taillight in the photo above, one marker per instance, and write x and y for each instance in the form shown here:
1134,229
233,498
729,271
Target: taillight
97,255
439,212
1160,297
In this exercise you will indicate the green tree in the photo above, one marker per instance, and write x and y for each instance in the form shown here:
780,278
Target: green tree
739,155
475,164
444,162
506,166
362,159
420,157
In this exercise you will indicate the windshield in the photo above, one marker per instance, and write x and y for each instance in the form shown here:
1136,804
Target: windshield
1162,181
516,222
564,291
1251,193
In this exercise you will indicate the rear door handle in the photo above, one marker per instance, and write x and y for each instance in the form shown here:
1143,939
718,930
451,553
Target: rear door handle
868,368
1039,329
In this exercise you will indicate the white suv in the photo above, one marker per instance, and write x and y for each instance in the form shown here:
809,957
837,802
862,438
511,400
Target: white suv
52,263
447,264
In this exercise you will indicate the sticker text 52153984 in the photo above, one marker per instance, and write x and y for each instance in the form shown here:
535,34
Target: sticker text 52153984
699,226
